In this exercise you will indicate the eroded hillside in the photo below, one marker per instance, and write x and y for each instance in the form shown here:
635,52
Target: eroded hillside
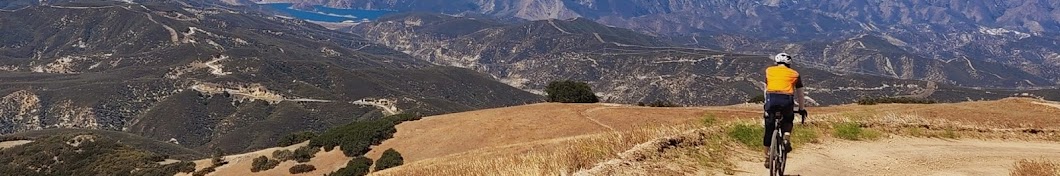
207,76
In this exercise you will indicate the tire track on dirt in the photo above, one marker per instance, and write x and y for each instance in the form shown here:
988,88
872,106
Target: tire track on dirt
585,115
910,156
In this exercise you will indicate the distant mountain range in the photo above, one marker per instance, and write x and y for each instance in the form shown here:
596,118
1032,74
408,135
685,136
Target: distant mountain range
625,66
977,43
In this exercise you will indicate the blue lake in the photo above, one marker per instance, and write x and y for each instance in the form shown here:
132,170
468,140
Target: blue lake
327,14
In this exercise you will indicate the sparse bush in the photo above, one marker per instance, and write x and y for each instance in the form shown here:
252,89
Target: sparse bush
183,166
94,155
853,131
570,92
258,163
204,171
356,167
356,138
296,138
390,158
659,103
894,100
302,168
930,133
304,153
708,120
1035,168
950,133
262,164
750,135
218,157
283,155
757,99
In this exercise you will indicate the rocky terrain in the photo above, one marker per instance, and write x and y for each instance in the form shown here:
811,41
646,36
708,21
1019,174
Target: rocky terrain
521,9
209,76
625,66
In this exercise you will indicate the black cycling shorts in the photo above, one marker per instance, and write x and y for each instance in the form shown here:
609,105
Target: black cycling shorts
778,103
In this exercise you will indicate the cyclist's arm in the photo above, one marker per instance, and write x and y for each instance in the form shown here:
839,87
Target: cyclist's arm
800,95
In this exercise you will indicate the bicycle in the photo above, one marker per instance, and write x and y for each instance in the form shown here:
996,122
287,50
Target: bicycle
778,154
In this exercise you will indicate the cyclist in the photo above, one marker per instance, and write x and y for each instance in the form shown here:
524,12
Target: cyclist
783,88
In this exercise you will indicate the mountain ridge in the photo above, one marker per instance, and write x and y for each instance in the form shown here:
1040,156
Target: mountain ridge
1016,34
625,66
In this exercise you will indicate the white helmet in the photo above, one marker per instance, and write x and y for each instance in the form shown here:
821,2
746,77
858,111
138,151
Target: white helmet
782,58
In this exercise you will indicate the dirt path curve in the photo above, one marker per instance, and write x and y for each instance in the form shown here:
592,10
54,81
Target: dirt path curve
597,122
910,156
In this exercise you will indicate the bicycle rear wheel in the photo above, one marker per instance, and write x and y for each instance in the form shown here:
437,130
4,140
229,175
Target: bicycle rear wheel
777,156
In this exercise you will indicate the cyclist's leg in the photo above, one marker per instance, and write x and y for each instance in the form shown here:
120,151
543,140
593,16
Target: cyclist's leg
768,132
789,118
788,121
768,122
769,126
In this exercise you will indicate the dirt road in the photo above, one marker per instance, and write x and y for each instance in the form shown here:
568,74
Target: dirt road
7,144
910,156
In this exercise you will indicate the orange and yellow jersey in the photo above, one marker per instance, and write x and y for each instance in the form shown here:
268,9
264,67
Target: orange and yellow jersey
782,80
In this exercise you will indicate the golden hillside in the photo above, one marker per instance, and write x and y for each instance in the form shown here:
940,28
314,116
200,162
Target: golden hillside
560,139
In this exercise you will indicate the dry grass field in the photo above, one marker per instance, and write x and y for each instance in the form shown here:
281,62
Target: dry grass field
562,139
1035,168
526,125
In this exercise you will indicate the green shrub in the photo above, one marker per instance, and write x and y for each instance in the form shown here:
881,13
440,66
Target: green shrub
204,171
570,92
183,166
262,164
356,167
853,131
296,138
304,153
757,99
390,158
750,135
283,155
301,168
802,135
894,100
258,163
355,138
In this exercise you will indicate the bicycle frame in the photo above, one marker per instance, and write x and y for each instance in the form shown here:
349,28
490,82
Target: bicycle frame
777,156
